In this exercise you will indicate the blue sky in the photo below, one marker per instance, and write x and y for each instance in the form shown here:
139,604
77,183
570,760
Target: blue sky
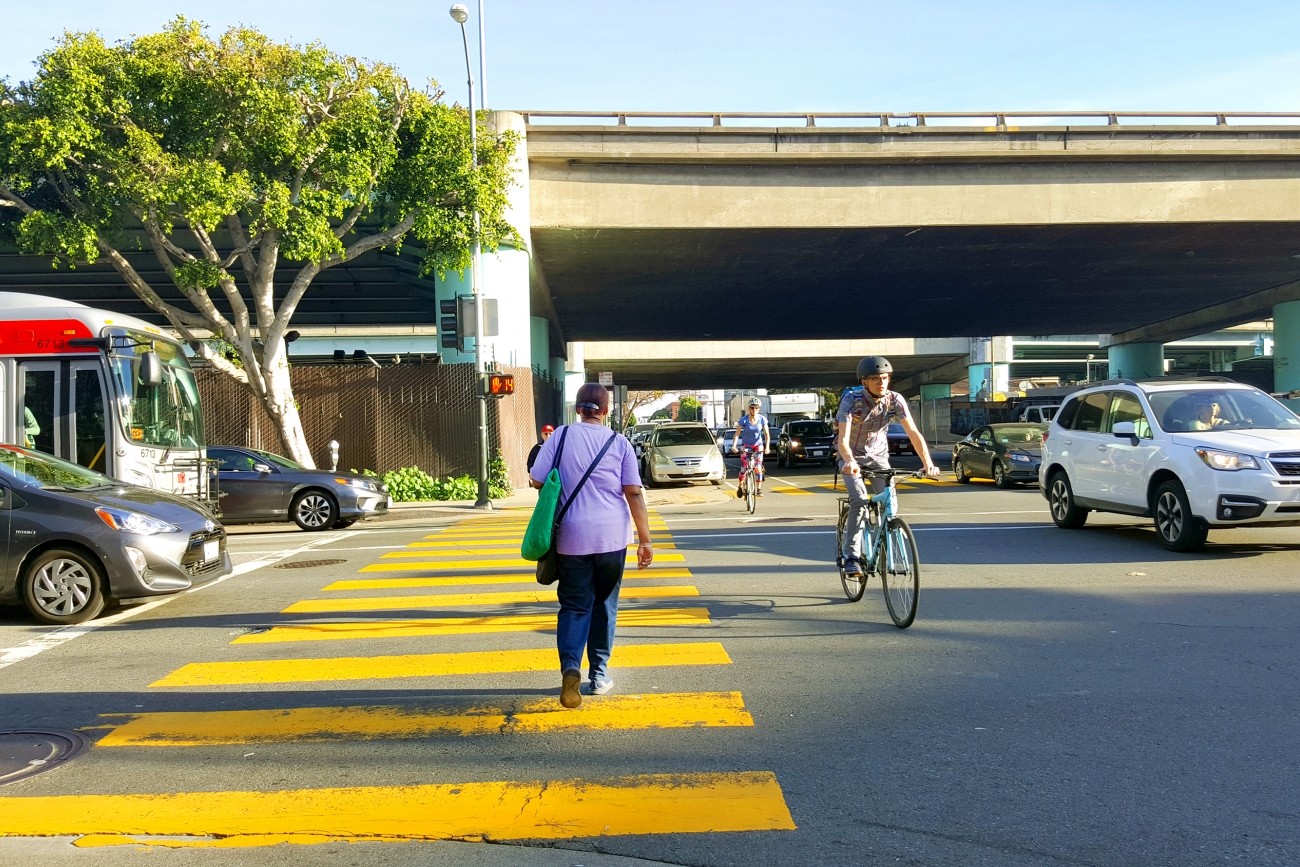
760,55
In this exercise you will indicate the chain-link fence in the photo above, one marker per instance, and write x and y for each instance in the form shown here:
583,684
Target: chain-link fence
386,418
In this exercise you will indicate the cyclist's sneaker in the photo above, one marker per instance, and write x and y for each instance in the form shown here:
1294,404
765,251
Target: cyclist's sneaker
740,491
853,568
759,493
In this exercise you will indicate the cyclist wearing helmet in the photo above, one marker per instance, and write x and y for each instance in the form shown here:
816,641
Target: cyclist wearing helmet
863,418
751,432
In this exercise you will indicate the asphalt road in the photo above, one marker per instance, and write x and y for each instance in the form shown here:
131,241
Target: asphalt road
1064,698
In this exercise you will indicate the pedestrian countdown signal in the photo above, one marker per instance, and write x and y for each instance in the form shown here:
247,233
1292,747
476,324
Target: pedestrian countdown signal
498,384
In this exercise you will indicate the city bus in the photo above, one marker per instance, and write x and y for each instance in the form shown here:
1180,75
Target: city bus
107,391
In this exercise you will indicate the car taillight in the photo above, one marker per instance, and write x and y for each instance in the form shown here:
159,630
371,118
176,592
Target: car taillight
1045,433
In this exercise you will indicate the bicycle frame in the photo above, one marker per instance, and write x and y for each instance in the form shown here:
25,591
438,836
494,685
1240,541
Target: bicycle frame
888,550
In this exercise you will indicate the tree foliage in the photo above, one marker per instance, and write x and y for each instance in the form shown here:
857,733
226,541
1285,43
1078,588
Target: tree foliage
245,167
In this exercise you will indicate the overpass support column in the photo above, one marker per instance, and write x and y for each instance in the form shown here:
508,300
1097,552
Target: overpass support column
1136,360
1286,350
989,370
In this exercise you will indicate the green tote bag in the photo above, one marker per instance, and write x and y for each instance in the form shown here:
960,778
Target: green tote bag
537,538
541,525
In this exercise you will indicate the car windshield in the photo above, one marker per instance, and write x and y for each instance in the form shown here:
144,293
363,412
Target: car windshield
684,436
896,430
810,429
47,471
1019,436
1209,409
278,460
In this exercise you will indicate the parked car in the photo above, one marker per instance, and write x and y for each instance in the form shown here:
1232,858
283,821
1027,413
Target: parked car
260,487
1191,454
78,540
1007,453
1038,413
805,440
727,439
899,442
681,452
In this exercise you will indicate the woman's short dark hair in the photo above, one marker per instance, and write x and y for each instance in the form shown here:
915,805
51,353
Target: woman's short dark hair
592,400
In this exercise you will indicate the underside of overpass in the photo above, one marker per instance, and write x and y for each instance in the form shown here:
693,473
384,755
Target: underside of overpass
880,284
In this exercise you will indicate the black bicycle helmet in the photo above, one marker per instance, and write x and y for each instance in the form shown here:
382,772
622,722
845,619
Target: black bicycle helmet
874,365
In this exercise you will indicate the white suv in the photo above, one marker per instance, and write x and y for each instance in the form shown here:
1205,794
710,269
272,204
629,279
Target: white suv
1192,454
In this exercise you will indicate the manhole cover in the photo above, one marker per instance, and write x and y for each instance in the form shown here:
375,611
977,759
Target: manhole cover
28,752
307,564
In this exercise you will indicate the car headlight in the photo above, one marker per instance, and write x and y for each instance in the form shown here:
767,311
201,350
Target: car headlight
661,458
1227,461
133,522
1022,458
794,444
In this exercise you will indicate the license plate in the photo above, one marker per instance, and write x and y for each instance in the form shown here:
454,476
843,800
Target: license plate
817,453
211,550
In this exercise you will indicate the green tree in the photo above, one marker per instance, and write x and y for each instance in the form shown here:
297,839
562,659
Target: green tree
688,409
237,163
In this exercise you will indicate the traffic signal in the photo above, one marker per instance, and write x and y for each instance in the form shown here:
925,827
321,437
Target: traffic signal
498,384
456,324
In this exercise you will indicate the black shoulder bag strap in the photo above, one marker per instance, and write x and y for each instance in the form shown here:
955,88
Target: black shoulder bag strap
600,454
559,447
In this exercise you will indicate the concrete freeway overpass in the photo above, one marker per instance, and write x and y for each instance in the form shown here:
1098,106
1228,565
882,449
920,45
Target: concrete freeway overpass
692,231
688,250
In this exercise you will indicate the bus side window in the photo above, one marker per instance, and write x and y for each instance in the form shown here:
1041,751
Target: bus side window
38,402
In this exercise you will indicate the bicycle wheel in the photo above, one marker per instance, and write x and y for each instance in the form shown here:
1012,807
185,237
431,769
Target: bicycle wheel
855,586
901,569
751,491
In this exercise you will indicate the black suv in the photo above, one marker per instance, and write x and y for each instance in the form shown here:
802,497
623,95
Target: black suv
805,440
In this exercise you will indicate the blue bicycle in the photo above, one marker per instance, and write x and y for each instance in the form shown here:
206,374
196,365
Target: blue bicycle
888,550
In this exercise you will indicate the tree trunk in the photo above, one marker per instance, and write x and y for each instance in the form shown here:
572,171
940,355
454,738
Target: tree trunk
284,409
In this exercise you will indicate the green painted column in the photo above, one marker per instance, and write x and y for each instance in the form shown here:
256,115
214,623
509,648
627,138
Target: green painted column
1286,350
1136,360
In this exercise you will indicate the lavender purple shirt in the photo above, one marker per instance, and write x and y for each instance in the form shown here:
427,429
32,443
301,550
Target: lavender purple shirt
598,521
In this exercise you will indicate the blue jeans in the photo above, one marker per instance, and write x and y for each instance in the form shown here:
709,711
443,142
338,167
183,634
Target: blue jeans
588,591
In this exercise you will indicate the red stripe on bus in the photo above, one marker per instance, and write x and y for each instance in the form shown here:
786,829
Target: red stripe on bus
43,336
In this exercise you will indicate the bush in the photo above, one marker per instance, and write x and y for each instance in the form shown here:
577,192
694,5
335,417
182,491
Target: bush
411,484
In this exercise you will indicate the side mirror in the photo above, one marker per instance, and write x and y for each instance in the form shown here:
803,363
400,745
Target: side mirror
1125,430
150,369
261,468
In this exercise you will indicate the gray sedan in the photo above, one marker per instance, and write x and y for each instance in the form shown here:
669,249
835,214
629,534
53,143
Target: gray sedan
259,487
77,540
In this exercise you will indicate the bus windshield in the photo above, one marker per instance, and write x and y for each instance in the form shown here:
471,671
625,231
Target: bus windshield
166,414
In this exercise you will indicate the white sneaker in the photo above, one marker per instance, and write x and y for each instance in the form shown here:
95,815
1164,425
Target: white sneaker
603,686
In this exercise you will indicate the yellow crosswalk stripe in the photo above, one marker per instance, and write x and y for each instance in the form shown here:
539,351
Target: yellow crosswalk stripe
437,540
489,578
444,601
480,549
526,716
507,810
786,489
627,618
665,557
335,669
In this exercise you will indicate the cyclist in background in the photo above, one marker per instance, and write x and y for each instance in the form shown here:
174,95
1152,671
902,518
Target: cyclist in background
752,441
863,419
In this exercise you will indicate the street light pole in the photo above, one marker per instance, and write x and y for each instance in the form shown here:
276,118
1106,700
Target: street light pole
460,14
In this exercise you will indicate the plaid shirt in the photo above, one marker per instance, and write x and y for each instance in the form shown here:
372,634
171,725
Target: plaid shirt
868,438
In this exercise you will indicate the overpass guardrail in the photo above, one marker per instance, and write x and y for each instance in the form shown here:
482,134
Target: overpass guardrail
992,120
